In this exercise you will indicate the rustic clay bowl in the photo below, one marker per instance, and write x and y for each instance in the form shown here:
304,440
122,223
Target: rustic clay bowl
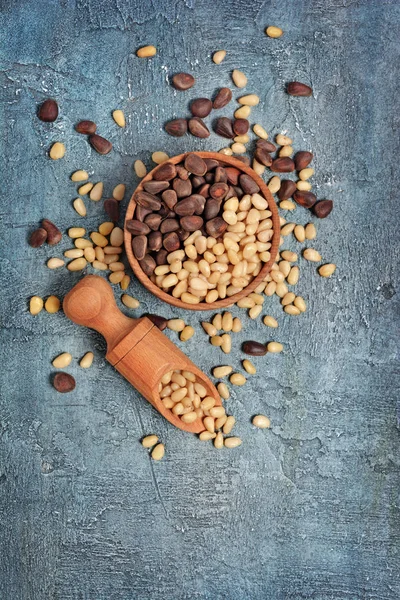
154,289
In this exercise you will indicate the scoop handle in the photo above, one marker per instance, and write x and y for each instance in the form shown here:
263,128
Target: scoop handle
91,303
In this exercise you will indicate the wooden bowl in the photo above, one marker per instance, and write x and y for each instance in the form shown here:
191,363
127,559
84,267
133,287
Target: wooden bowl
154,289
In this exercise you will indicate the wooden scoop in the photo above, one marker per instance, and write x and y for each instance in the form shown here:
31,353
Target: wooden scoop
135,347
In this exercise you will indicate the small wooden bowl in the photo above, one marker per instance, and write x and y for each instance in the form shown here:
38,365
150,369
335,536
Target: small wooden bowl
154,289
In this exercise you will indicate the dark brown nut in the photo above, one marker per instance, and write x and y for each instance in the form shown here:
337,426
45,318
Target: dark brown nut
287,189
182,234
153,221
231,192
139,246
254,348
244,159
282,165
154,241
38,237
48,111
100,144
186,207
191,223
238,192
240,126
216,227
198,128
211,163
295,88
223,97
155,187
164,211
141,212
194,164
54,235
218,191
183,81
248,184
165,172
209,177
200,203
171,241
148,264
170,198
136,227
212,208
86,127
158,321
223,127
64,383
161,257
182,172
182,188
263,157
204,190
302,159
220,175
147,200
201,107
197,181
169,225
306,199
232,175
266,145
176,127
323,208
111,206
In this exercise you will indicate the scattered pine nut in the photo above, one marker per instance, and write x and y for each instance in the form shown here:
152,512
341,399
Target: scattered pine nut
146,52
258,167
283,140
306,173
117,237
119,117
226,343
176,325
229,424
96,192
270,321
238,148
217,321
223,371
125,282
187,333
77,265
82,243
274,32
149,441
287,229
243,112
299,233
310,231
209,328
237,379
312,255
249,367
57,151
79,206
287,205
286,151
52,304
261,421
225,151
159,157
62,360
260,131
290,309
289,256
158,452
35,305
99,239
216,340
85,188
239,78
219,441
87,360
303,186
274,347
249,100
76,232
223,390
274,184
236,325
255,311
327,270
79,175
119,192
232,442
299,302
55,263
219,56
293,276
129,301
205,436
106,227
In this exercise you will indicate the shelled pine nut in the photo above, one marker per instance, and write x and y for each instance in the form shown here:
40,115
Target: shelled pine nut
223,390
311,255
261,421
149,441
52,304
232,442
274,347
223,371
62,360
187,333
237,379
87,360
35,305
327,270
249,367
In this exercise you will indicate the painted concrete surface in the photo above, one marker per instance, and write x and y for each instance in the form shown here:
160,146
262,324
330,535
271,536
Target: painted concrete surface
307,509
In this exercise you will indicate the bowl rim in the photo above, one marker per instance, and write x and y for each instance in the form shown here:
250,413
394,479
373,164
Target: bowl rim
228,301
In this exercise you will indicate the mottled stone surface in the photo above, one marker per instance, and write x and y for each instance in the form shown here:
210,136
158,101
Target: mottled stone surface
308,509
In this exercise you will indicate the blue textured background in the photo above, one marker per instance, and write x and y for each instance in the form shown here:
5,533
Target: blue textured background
308,509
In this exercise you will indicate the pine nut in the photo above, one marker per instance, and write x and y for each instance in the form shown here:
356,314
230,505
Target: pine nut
285,151
255,311
223,390
281,289
287,205
55,263
300,303
146,52
293,276
190,298
117,237
237,379
189,417
249,367
96,192
159,157
327,270
119,192
241,139
209,328
260,131
200,389
261,421
207,403
79,206
283,140
187,333
57,151
62,360
85,189
176,324
140,168
226,343
270,321
299,233
219,372
310,231
205,436
289,256
288,298
274,184
232,442
226,151
87,360
245,303
227,321
179,394
116,266
79,176
125,282
129,301
284,267
249,100
99,265
73,253
159,451
217,411
274,347
303,186
243,112
229,425
291,310
119,117
219,441
274,32
305,174
312,255
219,56
239,78
35,305
99,239
52,304
76,232
238,148
82,243
149,441
258,167
236,325
209,424
217,321
216,340
116,277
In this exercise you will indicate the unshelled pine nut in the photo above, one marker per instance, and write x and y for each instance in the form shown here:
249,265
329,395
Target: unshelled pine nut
310,231
77,265
140,168
249,367
239,78
79,176
223,390
187,333
52,304
270,321
232,442
237,379
236,325
327,270
119,117
57,151
226,343
35,305
87,360
146,51
119,192
229,424
149,441
129,301
55,263
312,255
62,360
158,452
176,324
261,421
219,56
223,371
274,347
274,32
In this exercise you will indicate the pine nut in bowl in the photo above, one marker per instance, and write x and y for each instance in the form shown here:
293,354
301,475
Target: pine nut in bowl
201,231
